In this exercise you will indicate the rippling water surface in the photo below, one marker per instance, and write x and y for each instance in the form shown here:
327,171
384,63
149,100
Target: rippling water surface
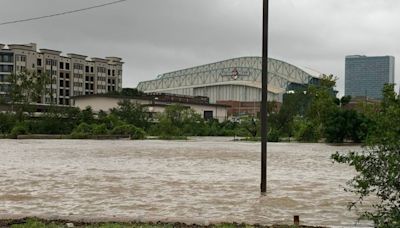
204,179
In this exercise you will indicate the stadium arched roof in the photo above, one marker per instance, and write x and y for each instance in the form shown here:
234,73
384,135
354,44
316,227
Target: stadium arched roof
243,71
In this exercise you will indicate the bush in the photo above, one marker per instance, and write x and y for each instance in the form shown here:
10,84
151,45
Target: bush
83,128
100,129
273,135
19,129
306,131
79,135
7,122
127,129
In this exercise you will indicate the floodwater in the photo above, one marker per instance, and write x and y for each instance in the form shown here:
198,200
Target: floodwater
202,180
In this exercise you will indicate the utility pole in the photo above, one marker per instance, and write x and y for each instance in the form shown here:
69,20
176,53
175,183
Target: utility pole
264,97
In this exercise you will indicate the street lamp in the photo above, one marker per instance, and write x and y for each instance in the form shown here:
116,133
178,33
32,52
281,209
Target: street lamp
264,98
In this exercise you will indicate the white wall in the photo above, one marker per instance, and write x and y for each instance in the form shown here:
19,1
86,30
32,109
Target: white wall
106,103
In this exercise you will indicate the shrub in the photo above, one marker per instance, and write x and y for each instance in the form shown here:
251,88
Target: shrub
83,128
19,129
79,135
306,131
100,129
127,129
7,121
273,135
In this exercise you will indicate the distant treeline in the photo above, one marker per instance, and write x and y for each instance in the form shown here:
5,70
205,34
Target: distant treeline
310,115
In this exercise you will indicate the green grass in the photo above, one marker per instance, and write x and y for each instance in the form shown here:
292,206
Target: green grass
34,223
39,223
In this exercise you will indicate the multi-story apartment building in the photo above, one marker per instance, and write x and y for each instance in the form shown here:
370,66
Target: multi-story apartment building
72,75
365,76
6,69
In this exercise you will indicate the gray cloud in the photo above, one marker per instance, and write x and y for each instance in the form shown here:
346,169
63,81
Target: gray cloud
157,36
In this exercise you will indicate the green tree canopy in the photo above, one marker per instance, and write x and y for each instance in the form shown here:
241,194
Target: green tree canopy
378,165
131,113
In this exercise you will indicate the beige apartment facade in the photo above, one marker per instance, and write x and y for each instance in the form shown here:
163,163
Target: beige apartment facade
73,74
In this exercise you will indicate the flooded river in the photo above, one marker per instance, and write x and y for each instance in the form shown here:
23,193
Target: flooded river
202,180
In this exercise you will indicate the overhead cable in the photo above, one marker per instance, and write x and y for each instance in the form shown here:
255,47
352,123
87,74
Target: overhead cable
62,13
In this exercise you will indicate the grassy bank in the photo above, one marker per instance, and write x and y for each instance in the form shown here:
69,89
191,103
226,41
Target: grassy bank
40,223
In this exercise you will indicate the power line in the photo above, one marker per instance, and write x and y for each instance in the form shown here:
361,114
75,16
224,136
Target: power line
62,13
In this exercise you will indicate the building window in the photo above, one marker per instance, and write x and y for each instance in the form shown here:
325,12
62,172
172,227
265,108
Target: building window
61,83
61,65
87,69
6,68
208,115
67,75
109,72
7,58
39,62
91,70
78,66
67,84
51,62
67,66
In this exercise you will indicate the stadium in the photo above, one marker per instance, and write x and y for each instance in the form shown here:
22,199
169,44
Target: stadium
237,79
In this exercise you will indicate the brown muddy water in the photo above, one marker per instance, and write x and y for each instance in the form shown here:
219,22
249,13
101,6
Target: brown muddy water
201,180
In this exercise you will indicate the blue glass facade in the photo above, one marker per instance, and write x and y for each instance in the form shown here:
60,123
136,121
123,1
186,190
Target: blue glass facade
365,76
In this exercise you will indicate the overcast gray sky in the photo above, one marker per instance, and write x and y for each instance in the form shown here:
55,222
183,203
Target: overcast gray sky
158,36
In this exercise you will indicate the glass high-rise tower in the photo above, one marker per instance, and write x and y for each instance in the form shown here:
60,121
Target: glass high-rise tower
365,76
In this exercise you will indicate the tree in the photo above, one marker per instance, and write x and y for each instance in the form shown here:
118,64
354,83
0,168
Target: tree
86,116
7,122
131,113
294,104
378,165
305,130
128,92
131,92
346,125
178,120
345,100
27,88
251,125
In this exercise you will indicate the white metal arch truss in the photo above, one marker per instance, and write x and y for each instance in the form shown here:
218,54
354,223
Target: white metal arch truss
244,72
